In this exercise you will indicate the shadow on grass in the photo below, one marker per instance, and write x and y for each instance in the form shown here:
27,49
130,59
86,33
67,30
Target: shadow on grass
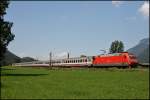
23,74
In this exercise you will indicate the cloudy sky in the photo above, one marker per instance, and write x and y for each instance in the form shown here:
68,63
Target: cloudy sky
77,27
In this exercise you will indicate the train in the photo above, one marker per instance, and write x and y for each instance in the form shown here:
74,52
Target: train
123,59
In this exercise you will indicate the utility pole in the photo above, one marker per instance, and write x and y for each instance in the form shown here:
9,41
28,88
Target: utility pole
67,55
50,60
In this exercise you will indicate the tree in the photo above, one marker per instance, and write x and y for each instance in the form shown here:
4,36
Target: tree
6,36
116,47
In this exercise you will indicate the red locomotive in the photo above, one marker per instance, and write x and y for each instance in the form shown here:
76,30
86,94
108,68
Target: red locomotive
116,59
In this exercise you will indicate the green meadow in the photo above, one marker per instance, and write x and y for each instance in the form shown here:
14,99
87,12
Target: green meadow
65,83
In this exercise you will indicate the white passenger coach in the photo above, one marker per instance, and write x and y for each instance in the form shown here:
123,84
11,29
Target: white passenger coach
76,61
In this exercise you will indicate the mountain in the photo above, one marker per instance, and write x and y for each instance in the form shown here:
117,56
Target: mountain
27,59
141,50
12,58
144,56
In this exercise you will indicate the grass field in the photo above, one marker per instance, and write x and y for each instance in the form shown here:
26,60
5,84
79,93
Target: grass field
40,83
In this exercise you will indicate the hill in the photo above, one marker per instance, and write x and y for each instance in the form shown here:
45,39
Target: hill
27,59
12,58
141,50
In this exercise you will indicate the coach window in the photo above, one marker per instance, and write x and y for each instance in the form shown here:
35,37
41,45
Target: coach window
85,60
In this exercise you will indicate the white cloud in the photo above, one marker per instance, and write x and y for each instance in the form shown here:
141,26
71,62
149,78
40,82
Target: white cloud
117,3
144,9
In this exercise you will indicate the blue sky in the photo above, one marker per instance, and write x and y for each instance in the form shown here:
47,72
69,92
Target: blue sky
77,27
